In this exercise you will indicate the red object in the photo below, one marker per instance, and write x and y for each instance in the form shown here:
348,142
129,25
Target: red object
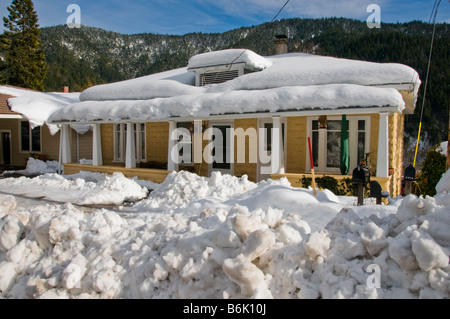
310,153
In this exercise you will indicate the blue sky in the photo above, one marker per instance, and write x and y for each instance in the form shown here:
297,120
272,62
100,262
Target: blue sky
184,16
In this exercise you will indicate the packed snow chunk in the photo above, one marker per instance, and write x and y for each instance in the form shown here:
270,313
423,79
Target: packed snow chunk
273,217
430,255
437,225
7,204
245,223
400,250
443,186
24,253
40,226
74,272
373,238
317,244
8,276
66,226
257,243
11,230
242,272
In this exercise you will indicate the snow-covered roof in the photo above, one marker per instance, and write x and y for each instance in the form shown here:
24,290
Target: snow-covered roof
290,82
36,106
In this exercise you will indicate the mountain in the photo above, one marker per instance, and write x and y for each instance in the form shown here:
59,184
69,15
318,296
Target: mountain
88,56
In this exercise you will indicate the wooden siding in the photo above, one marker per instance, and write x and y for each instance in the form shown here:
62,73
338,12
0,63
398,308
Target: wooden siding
247,168
296,144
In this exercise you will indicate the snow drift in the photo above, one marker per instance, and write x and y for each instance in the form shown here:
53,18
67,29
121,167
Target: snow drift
197,237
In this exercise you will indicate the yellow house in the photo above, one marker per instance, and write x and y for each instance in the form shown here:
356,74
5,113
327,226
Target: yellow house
23,133
239,113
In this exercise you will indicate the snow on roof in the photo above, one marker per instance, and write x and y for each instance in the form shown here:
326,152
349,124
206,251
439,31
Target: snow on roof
252,60
294,98
293,81
36,106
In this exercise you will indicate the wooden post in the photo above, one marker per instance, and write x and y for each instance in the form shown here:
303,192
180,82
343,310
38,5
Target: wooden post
312,167
360,194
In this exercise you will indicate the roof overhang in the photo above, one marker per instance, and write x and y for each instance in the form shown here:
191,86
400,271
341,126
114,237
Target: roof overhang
234,116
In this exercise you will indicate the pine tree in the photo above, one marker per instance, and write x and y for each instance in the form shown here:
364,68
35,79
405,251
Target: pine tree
25,64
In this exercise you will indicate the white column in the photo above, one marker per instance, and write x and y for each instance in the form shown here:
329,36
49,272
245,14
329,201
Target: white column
383,147
97,159
277,161
65,144
171,166
130,154
198,152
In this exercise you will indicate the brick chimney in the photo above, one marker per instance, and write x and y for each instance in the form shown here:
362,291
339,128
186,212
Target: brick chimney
281,44
65,89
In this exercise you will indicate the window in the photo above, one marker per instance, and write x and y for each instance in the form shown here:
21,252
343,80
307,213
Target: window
326,141
185,143
120,142
30,139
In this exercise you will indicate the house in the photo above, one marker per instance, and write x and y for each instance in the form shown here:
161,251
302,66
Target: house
237,112
23,129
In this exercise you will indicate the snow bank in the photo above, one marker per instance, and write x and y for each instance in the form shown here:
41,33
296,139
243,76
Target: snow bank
84,188
36,166
210,240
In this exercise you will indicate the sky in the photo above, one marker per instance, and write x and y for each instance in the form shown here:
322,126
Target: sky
208,16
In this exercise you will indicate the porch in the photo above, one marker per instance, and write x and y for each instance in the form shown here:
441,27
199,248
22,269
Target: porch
151,174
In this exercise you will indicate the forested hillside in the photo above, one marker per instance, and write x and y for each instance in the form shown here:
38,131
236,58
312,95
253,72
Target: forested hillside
87,56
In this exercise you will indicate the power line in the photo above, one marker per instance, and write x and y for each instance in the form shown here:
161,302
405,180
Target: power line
434,12
280,11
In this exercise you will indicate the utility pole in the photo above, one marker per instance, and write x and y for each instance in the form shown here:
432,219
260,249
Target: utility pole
447,166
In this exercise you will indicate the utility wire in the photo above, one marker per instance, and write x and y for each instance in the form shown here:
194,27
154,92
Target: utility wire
434,12
245,50
280,11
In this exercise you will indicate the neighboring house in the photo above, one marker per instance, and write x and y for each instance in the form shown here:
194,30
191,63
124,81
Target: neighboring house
265,108
23,133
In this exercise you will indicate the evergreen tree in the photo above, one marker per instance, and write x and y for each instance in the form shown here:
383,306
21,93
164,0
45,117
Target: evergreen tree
25,64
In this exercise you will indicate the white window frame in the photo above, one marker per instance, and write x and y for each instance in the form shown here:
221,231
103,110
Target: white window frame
30,150
120,142
352,141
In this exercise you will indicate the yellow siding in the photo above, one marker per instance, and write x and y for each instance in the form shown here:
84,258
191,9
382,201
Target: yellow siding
246,168
157,135
296,144
107,133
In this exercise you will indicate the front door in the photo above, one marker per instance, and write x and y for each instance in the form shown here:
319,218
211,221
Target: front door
222,149
6,148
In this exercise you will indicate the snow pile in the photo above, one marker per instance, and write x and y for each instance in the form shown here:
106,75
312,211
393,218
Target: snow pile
36,166
210,241
84,188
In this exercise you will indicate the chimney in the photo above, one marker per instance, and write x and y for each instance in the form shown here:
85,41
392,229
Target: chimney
65,89
281,44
